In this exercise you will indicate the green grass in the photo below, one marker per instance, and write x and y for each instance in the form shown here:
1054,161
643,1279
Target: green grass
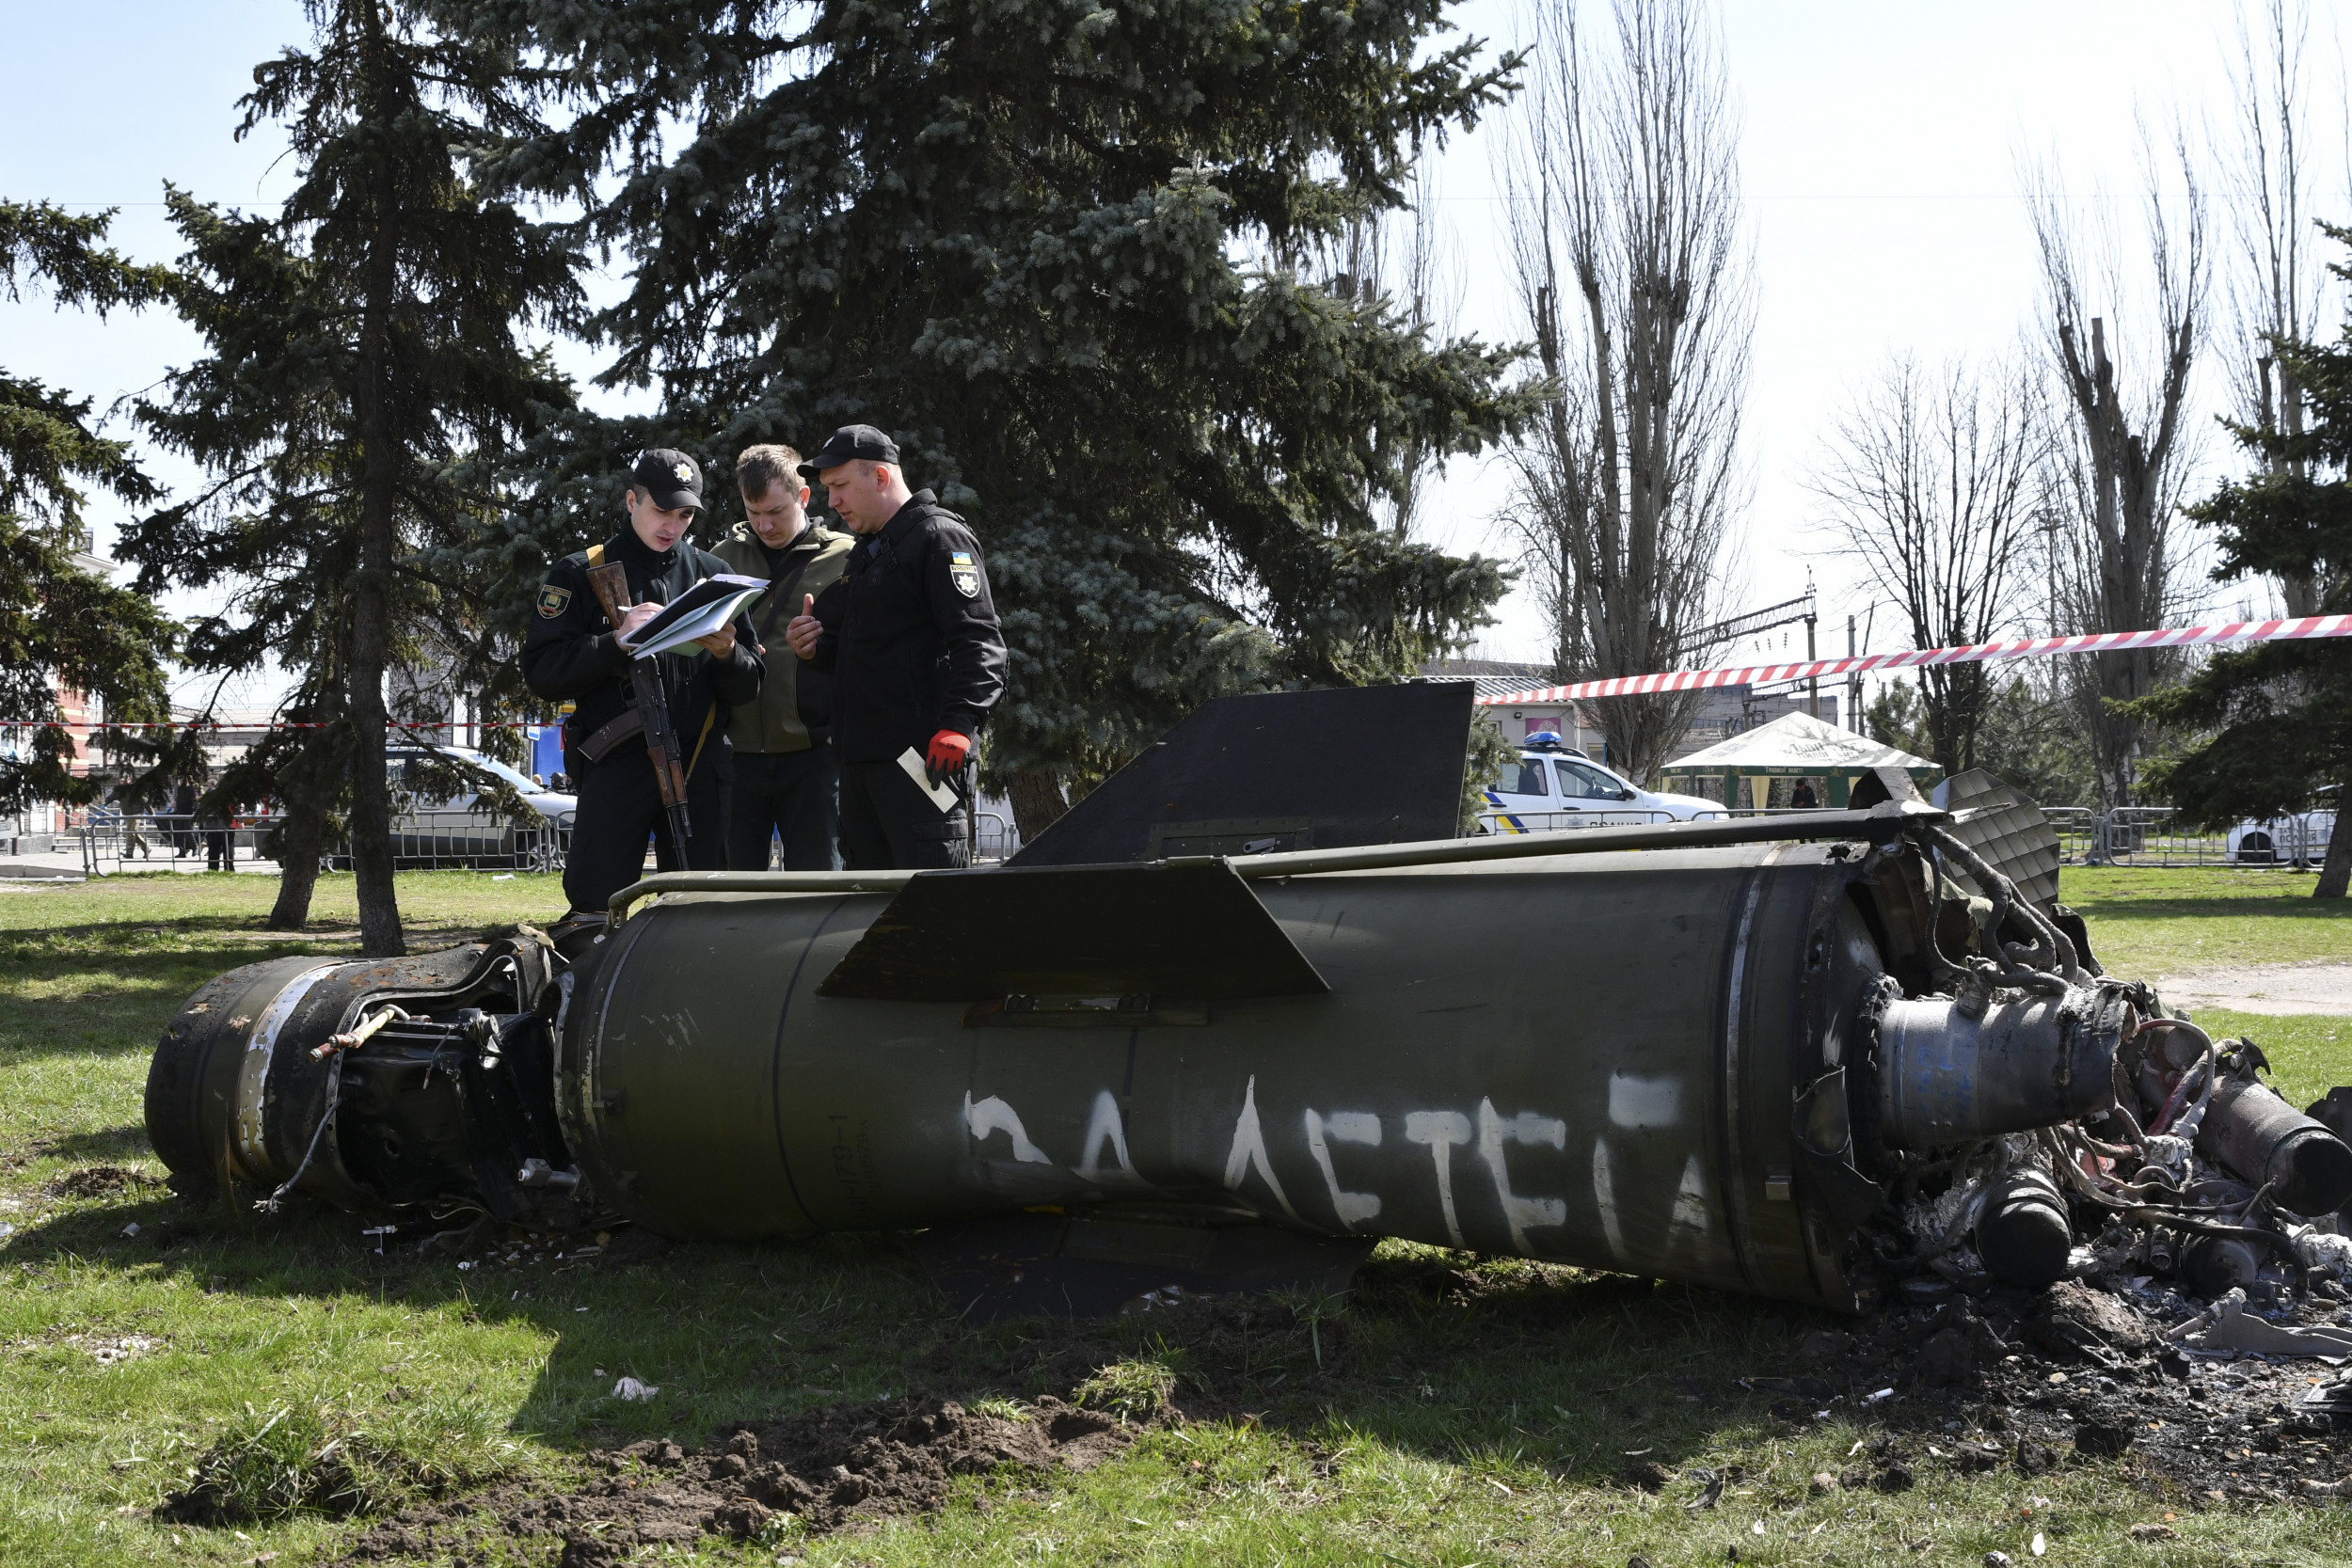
2150,923
2156,922
1461,1411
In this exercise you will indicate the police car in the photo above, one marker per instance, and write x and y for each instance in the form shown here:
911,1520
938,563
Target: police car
1554,785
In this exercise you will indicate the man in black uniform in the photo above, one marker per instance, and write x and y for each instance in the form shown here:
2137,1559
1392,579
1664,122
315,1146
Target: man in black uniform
911,638
573,651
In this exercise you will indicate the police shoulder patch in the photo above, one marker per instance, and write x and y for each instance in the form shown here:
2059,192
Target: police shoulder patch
553,601
963,572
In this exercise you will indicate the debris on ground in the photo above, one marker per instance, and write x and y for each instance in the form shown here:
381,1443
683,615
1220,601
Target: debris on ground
101,1181
804,1476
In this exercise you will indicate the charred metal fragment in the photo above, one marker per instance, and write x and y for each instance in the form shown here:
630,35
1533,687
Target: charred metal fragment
2023,1233
2306,1168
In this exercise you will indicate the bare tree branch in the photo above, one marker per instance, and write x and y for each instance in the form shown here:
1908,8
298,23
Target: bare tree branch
1931,479
2118,475
2272,293
1634,268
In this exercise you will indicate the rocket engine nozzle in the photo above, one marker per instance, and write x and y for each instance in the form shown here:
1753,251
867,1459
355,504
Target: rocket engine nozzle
1955,1069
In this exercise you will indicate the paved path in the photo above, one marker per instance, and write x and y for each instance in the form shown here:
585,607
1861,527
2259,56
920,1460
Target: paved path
2276,989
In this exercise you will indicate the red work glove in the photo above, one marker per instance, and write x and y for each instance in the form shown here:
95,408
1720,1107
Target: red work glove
945,754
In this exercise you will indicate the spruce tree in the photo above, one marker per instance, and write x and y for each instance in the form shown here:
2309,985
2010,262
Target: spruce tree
365,358
2278,714
59,624
1065,256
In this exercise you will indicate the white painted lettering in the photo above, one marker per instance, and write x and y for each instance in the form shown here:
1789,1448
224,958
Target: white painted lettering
1441,1131
1351,1127
1691,1219
1249,1151
993,1115
1605,1199
1645,1104
1105,1127
1526,1128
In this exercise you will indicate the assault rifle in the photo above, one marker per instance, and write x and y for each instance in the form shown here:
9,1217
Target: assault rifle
611,583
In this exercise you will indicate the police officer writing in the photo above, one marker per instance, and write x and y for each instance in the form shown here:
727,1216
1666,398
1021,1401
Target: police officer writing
574,650
788,785
910,636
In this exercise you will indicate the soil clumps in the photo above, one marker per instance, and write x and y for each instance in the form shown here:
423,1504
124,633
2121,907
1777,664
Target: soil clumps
101,1181
2036,1380
809,1474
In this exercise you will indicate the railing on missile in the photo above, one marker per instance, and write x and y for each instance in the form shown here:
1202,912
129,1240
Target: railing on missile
1879,824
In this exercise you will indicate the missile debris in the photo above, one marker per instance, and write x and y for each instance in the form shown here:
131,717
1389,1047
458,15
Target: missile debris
1796,1057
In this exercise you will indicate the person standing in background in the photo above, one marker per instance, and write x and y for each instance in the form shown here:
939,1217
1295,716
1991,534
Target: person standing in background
910,636
182,818
788,781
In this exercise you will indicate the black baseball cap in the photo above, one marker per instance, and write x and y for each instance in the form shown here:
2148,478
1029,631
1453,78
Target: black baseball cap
847,445
669,477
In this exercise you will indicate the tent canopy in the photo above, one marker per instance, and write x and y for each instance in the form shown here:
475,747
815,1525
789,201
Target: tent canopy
1799,746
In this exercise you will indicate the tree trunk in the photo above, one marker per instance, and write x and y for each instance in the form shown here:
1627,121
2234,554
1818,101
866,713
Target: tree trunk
1036,801
371,599
2335,872
299,844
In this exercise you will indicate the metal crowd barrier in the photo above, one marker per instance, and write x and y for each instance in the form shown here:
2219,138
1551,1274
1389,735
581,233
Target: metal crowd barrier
995,840
112,842
2157,836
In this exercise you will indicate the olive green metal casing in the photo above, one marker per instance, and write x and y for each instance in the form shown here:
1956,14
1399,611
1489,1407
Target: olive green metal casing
1593,1059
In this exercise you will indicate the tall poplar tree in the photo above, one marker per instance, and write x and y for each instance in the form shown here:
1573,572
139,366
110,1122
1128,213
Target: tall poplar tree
367,355
1066,255
2278,715
60,624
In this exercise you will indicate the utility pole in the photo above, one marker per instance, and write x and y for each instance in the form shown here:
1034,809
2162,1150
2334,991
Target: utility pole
2050,523
1812,682
1854,685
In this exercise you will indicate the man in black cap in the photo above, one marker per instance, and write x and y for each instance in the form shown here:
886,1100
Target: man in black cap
573,650
910,636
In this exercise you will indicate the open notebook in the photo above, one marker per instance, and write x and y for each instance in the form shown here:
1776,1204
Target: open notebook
697,612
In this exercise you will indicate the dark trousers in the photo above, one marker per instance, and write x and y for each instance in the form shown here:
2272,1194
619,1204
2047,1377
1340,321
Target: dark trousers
888,823
795,796
620,804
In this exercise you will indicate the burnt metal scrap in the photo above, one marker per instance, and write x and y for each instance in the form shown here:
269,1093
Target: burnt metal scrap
1816,1057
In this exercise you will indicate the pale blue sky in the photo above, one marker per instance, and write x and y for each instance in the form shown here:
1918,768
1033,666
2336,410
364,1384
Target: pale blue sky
1878,156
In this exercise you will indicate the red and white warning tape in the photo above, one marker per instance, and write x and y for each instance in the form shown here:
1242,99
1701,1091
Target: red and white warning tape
1967,653
233,724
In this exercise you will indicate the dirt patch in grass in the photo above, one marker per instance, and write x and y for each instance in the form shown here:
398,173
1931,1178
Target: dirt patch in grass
102,1182
766,1483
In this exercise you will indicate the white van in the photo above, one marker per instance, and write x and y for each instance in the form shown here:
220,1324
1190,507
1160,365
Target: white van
1557,786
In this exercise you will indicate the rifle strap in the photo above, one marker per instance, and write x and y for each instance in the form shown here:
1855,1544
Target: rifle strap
710,714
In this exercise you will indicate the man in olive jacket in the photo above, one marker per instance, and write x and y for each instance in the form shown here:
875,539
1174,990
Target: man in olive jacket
788,781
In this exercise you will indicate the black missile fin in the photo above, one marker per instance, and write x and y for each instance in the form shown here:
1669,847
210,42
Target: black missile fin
1189,929
1280,770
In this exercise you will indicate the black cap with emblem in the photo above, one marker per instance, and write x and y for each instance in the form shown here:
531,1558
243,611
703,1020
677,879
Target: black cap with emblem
849,444
669,477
